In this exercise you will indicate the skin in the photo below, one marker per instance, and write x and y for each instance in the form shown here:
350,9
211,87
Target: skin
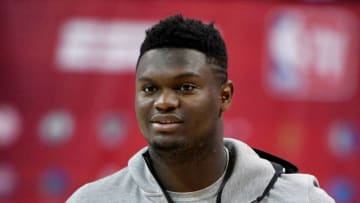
179,103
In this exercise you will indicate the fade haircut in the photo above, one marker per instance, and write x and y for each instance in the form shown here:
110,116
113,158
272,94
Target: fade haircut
179,32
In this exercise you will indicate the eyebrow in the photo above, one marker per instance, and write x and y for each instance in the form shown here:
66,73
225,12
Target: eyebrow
187,75
181,76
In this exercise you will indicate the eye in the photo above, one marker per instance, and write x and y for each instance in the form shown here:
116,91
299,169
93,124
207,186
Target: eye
187,88
149,89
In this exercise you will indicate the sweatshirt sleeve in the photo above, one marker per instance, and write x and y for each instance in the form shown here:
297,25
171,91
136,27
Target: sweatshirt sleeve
316,194
79,195
72,199
75,197
298,187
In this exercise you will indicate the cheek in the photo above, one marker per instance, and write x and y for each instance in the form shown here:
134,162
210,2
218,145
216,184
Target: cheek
202,117
205,106
142,109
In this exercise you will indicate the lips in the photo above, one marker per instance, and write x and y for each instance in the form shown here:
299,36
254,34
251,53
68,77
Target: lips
166,123
166,118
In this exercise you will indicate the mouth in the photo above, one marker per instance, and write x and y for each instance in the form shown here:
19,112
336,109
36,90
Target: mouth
166,123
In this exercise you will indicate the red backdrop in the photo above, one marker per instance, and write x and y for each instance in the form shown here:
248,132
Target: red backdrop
67,88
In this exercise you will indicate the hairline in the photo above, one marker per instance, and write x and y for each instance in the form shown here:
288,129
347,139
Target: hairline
215,68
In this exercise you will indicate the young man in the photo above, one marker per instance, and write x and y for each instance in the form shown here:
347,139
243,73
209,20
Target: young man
182,90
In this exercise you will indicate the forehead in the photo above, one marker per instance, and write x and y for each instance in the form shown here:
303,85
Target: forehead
172,60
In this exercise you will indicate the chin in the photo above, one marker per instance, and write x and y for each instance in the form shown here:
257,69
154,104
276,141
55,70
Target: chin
167,145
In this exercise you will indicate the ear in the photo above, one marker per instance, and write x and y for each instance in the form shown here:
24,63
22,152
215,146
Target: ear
226,95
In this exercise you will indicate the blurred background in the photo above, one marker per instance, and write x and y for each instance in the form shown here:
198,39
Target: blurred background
67,88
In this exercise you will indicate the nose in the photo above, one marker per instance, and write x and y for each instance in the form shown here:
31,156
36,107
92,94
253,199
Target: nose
167,101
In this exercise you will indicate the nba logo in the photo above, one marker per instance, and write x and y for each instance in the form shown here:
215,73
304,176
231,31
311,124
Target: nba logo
311,54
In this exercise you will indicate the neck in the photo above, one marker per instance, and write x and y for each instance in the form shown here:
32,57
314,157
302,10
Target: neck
189,171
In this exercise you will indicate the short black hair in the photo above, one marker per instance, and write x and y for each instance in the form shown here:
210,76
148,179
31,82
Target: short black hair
179,32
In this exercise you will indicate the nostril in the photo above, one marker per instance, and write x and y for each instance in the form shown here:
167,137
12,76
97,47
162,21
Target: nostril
164,107
167,101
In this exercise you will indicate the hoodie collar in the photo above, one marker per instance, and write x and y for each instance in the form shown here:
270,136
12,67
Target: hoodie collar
249,170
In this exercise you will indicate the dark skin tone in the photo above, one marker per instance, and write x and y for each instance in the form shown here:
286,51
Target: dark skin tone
179,103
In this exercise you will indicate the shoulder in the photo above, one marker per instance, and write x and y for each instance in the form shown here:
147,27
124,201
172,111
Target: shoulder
252,173
134,183
107,188
298,187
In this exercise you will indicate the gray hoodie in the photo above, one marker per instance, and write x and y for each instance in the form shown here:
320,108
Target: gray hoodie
251,174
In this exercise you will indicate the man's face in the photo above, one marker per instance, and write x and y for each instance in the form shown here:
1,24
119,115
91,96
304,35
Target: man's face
177,100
